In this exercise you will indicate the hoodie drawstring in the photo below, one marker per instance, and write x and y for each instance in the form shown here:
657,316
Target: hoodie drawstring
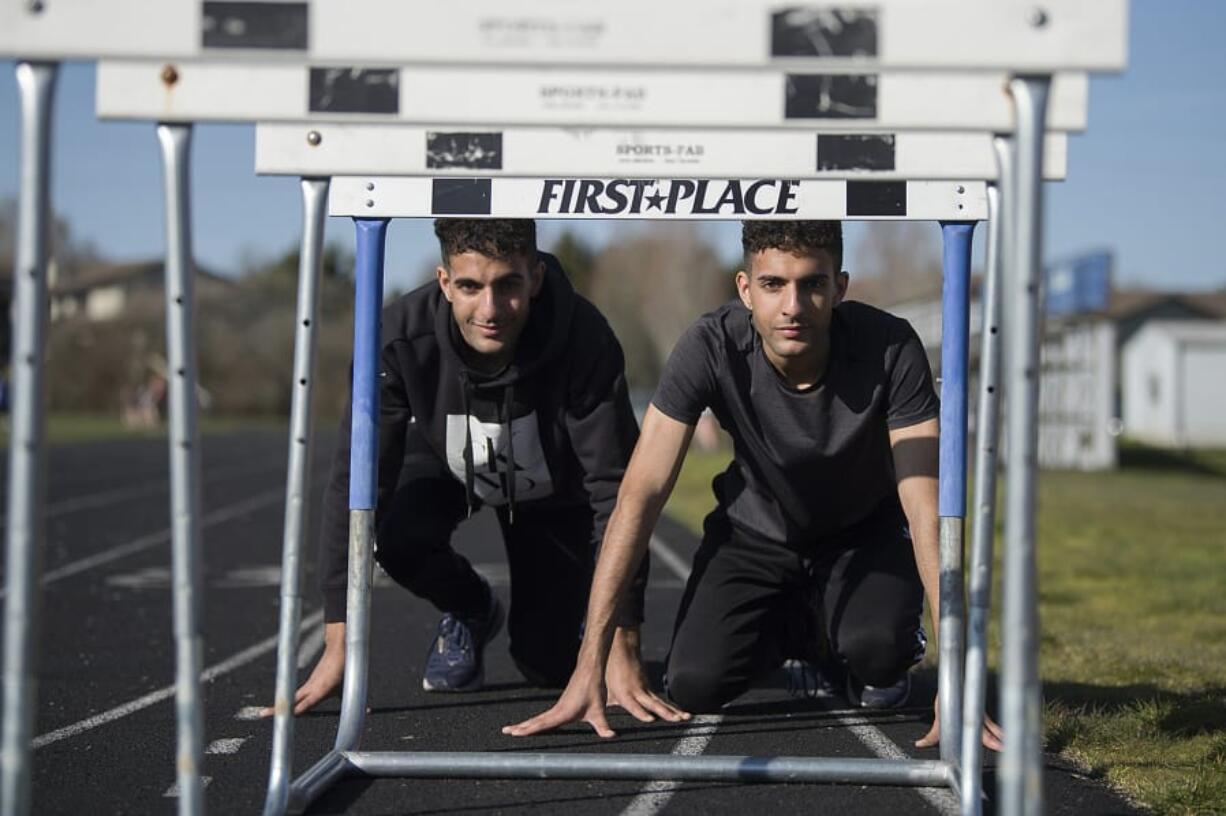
469,479
508,402
508,407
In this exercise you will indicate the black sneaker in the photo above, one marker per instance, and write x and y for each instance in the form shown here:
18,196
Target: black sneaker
891,696
456,660
881,697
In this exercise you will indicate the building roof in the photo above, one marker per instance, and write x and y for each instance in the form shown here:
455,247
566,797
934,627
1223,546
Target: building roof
1188,331
1128,302
103,273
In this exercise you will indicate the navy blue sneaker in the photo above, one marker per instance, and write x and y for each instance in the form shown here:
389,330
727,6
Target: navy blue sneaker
805,680
456,660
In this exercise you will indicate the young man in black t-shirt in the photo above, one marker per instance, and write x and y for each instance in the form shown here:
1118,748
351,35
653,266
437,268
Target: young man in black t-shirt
829,504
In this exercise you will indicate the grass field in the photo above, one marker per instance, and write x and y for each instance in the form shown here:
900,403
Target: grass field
1133,610
64,428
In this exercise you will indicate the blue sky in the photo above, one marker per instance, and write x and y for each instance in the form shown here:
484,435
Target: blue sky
1148,179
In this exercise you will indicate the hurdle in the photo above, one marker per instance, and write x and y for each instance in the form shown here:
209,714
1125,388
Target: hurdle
324,149
124,91
526,97
1014,38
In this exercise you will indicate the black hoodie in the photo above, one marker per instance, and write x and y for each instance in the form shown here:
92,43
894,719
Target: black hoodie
572,427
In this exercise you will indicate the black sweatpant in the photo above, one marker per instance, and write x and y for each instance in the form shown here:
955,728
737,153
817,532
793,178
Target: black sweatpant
549,551
741,606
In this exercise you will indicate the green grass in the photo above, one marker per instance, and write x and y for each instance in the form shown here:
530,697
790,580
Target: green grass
67,428
1132,569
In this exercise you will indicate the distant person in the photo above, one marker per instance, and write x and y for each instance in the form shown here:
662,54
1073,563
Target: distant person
824,538
499,387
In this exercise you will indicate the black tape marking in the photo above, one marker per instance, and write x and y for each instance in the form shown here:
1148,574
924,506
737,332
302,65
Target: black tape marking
355,90
830,96
824,32
855,152
866,198
475,151
281,26
461,197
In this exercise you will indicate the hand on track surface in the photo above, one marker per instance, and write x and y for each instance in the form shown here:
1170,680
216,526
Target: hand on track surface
627,685
992,735
583,700
325,679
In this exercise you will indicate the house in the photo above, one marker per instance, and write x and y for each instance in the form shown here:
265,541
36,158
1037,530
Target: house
1174,383
106,291
1083,407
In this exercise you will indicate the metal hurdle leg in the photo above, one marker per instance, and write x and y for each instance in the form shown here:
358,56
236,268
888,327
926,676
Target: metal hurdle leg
363,490
175,142
987,438
310,266
958,238
1021,772
27,476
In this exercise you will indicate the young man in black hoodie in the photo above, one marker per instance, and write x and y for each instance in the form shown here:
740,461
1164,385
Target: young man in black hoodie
500,387
829,504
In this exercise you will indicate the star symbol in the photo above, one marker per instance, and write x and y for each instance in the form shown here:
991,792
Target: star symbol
655,200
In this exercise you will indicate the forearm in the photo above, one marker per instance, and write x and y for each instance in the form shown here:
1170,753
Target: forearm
623,549
926,542
332,556
916,466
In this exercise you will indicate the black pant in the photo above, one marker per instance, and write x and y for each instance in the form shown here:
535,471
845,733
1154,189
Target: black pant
549,551
744,596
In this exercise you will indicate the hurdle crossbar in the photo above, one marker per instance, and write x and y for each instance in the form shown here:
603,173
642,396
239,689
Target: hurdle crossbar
1011,35
862,101
327,150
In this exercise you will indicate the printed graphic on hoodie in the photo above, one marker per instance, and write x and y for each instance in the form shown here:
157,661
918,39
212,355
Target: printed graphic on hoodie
491,458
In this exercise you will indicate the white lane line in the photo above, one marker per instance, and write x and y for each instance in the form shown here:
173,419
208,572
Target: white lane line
942,799
225,746
210,674
249,713
669,558
223,514
105,497
652,800
653,796
173,791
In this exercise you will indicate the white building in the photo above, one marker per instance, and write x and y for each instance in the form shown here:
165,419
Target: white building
1077,392
1174,383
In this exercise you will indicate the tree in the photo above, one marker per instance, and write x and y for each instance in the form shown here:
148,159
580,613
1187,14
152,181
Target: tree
896,261
71,255
651,287
577,260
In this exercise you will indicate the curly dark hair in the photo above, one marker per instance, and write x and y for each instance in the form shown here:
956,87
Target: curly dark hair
797,237
500,238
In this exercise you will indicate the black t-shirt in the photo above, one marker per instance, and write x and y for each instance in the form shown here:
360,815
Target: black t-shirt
808,464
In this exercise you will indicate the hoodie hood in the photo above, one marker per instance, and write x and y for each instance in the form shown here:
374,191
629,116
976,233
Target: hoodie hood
543,340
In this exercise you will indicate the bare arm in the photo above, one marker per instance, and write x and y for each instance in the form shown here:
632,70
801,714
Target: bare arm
916,462
649,480
916,450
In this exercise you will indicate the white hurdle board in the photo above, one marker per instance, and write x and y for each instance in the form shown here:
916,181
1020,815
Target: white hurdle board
675,198
933,100
1015,35
326,149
